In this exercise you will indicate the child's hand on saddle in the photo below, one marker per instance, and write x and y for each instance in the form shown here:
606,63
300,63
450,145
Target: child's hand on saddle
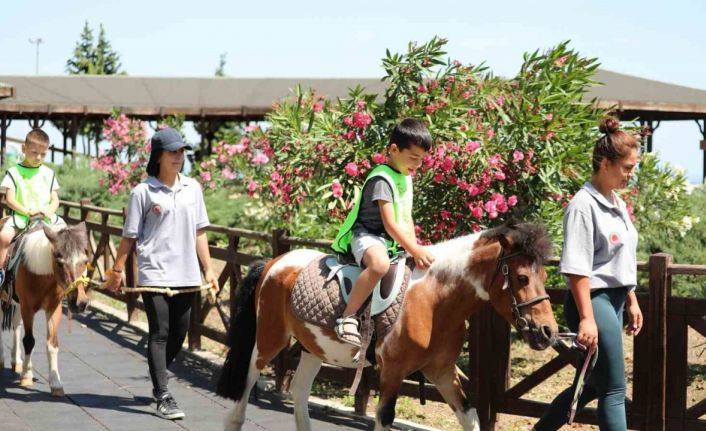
423,258
48,214
113,280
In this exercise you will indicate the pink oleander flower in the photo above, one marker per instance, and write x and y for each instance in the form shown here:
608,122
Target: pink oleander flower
477,212
500,101
318,107
206,176
445,214
500,176
491,134
512,200
473,190
421,88
549,117
361,120
252,188
351,169
518,155
494,160
438,178
336,189
360,105
550,136
227,173
276,177
379,158
260,159
561,60
472,146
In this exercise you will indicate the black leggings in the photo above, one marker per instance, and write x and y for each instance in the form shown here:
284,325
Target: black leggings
168,319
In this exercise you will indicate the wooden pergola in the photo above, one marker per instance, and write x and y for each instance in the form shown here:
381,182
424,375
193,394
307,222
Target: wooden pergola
210,102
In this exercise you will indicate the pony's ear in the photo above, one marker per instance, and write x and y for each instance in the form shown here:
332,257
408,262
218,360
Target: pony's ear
50,233
505,242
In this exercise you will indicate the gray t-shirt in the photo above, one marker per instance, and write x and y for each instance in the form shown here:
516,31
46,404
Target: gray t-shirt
164,221
600,241
369,218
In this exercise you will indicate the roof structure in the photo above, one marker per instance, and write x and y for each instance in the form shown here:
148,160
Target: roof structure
196,98
252,98
6,90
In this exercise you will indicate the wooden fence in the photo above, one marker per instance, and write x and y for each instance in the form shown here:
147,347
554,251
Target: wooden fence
658,401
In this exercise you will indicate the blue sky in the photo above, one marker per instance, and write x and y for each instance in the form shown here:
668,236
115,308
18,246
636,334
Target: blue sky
657,40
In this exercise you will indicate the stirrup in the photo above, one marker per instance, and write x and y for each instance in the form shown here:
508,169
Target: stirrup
345,334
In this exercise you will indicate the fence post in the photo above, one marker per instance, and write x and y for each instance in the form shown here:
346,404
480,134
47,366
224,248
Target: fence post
660,289
284,358
131,281
84,212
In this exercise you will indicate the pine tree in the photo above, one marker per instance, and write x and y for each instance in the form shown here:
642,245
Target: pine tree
81,62
92,59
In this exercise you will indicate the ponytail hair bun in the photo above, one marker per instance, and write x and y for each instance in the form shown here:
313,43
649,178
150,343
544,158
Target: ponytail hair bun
609,124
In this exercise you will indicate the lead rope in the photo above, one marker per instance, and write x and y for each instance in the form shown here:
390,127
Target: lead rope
366,335
588,363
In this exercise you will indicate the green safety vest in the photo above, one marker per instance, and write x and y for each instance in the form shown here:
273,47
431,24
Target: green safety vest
33,188
402,202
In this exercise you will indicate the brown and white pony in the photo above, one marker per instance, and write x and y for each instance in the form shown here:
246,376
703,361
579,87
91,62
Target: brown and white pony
51,262
502,265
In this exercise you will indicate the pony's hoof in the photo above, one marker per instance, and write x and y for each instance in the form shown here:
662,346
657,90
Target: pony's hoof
26,382
57,392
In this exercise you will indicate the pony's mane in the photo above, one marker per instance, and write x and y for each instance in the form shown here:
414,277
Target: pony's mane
37,249
37,253
528,239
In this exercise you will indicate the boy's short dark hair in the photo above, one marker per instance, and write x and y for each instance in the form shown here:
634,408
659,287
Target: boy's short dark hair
37,136
411,131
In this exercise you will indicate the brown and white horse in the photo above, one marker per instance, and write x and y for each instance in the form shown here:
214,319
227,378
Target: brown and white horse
501,265
51,263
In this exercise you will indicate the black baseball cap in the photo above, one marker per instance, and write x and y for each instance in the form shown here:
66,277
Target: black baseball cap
168,139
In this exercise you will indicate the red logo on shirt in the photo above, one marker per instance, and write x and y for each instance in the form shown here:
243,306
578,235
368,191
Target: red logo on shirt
157,209
615,238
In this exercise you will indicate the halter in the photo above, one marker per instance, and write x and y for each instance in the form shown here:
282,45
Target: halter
520,322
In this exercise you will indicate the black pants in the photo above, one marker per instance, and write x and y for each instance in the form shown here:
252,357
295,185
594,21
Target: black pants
168,320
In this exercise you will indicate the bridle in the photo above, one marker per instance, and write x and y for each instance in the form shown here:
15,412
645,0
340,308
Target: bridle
521,324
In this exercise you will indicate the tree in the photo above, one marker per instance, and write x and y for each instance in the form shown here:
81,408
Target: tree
91,58
221,70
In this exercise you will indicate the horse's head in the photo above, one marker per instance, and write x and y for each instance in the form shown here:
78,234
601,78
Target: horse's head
70,258
516,283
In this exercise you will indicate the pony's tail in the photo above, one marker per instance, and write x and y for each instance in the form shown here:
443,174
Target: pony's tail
8,311
241,337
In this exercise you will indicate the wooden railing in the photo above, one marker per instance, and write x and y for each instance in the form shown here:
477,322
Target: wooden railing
658,401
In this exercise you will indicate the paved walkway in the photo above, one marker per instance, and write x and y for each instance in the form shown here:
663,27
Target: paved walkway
104,371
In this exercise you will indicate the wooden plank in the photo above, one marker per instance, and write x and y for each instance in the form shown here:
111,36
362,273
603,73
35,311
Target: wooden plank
213,334
697,410
540,375
698,323
677,364
660,289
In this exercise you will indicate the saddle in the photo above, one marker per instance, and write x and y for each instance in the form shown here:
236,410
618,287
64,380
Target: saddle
7,290
322,289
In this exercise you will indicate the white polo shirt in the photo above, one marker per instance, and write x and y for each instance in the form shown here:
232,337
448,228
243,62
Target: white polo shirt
164,221
600,241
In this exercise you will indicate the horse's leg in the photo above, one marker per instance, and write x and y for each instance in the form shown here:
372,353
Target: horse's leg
28,343
390,382
449,382
307,370
264,351
53,321
16,361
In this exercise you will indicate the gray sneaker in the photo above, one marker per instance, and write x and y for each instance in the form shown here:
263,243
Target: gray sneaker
168,408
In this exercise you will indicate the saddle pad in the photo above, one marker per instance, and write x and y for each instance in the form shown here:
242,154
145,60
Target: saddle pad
316,301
